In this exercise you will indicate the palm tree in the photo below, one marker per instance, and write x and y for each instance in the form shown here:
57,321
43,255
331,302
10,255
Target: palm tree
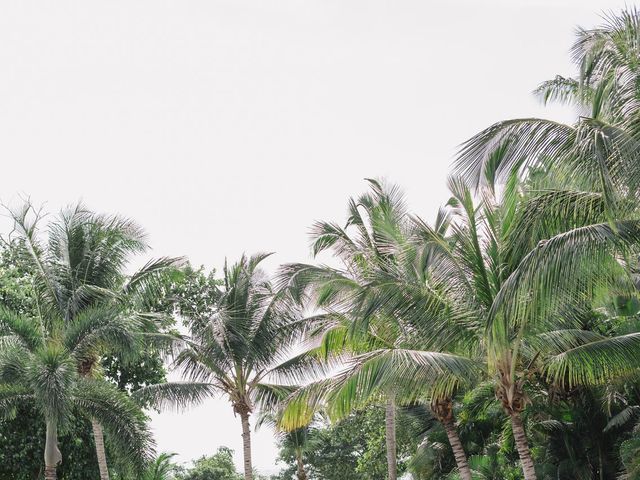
357,319
162,468
595,164
38,358
238,349
82,267
299,440
524,265
339,291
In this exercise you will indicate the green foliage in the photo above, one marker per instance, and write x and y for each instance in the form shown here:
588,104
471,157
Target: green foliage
219,466
21,447
508,331
70,303
353,448
162,468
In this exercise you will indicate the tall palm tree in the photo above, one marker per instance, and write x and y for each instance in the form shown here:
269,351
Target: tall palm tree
81,267
524,265
352,298
38,358
239,349
339,291
596,160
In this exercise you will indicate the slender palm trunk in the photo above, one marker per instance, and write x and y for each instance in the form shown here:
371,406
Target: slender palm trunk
390,426
84,370
458,451
523,447
246,445
511,394
302,474
50,473
443,410
98,438
52,456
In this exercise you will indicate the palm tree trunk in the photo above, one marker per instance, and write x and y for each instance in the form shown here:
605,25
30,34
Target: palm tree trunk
390,426
458,451
52,456
98,438
523,447
443,410
302,475
50,473
246,445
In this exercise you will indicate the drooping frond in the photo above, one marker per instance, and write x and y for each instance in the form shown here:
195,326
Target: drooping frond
12,397
512,146
102,329
407,373
178,395
596,362
25,330
124,422
556,342
548,213
301,367
622,418
549,273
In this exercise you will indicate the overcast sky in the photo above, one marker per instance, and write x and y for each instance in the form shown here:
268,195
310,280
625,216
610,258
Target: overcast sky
225,126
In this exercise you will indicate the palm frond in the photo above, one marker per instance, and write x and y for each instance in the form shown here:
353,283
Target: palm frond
178,395
596,362
124,422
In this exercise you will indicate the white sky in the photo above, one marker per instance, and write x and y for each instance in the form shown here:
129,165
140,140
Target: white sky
225,126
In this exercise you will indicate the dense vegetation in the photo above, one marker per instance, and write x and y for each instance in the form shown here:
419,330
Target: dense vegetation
499,341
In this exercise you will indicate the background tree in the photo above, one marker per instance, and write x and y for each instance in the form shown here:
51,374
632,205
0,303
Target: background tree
219,466
38,366
238,341
81,267
390,358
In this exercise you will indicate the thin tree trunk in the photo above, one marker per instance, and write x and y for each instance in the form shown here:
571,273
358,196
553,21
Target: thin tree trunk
601,462
390,426
84,370
523,447
458,450
52,456
98,438
50,473
302,475
443,410
246,445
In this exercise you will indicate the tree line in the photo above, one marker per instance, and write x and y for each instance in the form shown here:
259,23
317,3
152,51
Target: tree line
498,340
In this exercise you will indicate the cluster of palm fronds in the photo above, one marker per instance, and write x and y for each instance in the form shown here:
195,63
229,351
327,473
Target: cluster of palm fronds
82,307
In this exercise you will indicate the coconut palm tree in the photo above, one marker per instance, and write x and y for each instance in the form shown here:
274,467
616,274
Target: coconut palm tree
524,265
595,165
81,267
339,291
238,349
352,297
38,364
